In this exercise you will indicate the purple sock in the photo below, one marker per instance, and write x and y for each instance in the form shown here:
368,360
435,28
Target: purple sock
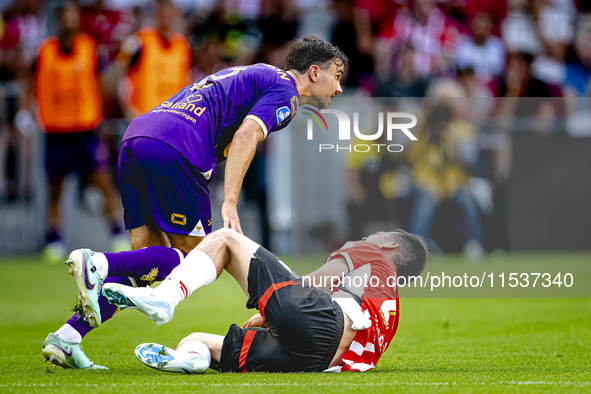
107,310
145,265
148,264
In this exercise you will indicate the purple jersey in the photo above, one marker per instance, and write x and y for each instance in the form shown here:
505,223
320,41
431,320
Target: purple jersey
200,120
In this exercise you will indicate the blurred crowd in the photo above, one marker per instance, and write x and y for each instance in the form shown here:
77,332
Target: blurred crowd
476,50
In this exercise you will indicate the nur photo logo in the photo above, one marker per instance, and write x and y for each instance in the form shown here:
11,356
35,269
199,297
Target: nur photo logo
392,120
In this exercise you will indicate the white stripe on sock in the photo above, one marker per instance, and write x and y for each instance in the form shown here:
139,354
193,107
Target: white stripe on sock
69,334
195,271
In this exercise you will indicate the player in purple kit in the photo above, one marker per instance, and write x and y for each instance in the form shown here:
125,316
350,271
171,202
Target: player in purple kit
169,154
166,161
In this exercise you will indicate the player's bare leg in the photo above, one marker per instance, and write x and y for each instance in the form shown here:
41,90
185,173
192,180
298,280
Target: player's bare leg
231,251
144,236
147,235
182,242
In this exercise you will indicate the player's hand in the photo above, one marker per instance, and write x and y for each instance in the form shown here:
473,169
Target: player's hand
230,217
255,321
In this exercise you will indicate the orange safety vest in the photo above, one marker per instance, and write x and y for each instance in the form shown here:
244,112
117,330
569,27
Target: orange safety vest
67,87
161,71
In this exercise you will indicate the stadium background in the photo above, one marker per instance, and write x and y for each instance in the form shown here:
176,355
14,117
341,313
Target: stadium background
537,176
371,33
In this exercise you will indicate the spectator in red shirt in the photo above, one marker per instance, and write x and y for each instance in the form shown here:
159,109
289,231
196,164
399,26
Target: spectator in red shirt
427,29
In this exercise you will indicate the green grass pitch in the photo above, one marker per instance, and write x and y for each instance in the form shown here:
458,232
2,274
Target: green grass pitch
442,345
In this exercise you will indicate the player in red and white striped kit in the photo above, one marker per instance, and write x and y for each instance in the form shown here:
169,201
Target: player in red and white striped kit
376,319
341,317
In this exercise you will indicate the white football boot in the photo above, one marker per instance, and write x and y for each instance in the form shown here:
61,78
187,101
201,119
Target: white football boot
89,285
167,360
144,299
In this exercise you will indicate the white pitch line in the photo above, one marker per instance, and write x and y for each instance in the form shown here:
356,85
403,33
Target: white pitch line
293,384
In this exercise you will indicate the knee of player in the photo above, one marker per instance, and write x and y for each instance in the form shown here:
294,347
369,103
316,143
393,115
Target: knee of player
224,235
196,336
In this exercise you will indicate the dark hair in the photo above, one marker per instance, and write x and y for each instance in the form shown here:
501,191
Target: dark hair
311,50
411,256
162,3
526,57
62,7
464,71
483,15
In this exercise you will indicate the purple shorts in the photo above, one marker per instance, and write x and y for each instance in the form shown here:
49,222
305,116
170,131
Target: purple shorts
160,187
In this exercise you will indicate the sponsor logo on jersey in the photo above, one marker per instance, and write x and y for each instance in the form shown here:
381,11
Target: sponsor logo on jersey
282,114
182,105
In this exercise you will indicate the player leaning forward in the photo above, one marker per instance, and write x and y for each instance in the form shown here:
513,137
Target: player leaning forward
167,158
169,155
299,328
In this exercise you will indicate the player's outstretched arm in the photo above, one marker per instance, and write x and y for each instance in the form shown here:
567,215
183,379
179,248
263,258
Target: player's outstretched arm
240,155
327,274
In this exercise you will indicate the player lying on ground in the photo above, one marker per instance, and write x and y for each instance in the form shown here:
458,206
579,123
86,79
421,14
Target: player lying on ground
299,328
168,157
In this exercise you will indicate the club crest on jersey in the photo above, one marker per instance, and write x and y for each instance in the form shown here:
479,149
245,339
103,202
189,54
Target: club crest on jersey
282,114
149,277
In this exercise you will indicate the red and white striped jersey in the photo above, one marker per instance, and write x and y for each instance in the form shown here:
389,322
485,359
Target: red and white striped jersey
372,281
431,41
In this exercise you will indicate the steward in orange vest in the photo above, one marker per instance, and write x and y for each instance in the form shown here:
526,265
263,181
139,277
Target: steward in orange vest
66,86
159,63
